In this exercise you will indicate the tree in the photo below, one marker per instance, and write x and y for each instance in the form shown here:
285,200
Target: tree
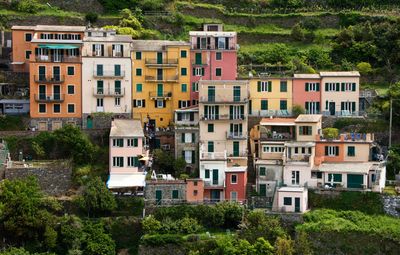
284,246
319,58
96,198
263,247
297,33
330,133
364,68
179,166
98,242
297,110
302,244
26,214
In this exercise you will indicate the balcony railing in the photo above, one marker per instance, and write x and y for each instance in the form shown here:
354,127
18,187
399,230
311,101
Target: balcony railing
206,117
214,183
276,136
212,47
344,113
157,95
224,99
165,62
163,78
269,113
298,158
202,63
240,154
236,135
213,155
108,92
43,98
55,78
109,74
58,58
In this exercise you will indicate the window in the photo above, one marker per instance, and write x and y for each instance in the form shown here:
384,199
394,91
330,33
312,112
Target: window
262,189
264,86
100,102
273,149
175,194
139,103
221,42
28,37
188,156
132,142
71,108
351,151
56,108
349,106
139,87
70,70
295,177
138,55
187,137
348,86
133,162
99,70
184,87
283,104
336,177
118,142
262,171
160,103
195,192
183,71
218,72
264,104
305,130
28,54
329,86
210,146
316,175
207,174
183,103
233,179
331,151
118,161
312,86
117,101
138,72
183,53
218,56
312,107
71,89
283,86
287,201
210,128
198,71
233,195
211,112
195,87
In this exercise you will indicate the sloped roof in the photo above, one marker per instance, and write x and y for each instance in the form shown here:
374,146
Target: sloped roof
155,45
340,74
308,118
306,76
126,128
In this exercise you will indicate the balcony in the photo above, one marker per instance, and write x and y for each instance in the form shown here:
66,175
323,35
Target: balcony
58,59
108,92
163,95
214,184
212,117
238,154
55,78
298,159
224,99
202,63
157,63
273,113
236,136
109,74
48,98
274,136
213,155
163,78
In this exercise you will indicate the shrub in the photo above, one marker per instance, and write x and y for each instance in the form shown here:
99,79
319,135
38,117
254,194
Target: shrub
151,225
297,33
364,68
29,6
160,240
330,133
297,110
233,213
188,226
91,17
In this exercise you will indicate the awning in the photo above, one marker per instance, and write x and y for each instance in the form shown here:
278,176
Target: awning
58,46
17,63
116,181
144,158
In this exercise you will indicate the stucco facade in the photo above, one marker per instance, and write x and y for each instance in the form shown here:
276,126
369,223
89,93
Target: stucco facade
292,199
307,92
21,47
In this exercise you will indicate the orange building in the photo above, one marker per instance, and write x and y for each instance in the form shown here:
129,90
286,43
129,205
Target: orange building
21,47
55,65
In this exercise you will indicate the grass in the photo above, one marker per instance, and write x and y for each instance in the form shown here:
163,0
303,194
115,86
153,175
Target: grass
298,46
11,123
261,29
389,190
381,88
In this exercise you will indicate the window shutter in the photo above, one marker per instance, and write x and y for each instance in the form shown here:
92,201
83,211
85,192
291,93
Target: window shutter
231,112
242,111
179,104
353,106
269,86
216,42
259,86
343,88
192,116
217,112
202,71
326,86
306,86
193,157
182,137
135,142
337,150
134,103
317,86
326,104
353,87
300,130
342,106
326,150
198,42
155,103
193,137
122,50
231,128
194,73
102,50
240,128
93,48
143,102
164,103
318,107
183,154
337,86
307,107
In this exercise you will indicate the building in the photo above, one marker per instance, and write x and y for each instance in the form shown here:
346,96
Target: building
106,75
223,137
128,155
307,92
340,93
53,54
161,80
213,56
187,137
270,96
14,106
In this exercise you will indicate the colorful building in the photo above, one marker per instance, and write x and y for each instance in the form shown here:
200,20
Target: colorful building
55,66
106,75
213,56
161,80
223,137
307,92
21,47
128,155
270,96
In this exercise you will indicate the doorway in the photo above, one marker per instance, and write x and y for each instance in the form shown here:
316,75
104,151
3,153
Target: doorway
332,108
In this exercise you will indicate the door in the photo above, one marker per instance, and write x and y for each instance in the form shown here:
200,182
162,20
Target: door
117,70
332,108
57,55
159,58
355,181
100,105
211,93
100,87
89,122
42,92
56,92
235,149
42,73
158,196
56,73
160,90
99,70
198,58
215,177
215,195
296,204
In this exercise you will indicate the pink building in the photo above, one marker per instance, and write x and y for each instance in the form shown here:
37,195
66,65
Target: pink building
127,154
307,92
213,56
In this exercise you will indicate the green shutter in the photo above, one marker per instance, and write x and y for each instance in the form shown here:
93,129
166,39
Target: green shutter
326,86
210,146
269,86
337,150
193,157
175,194
135,142
263,189
210,128
326,150
353,106
207,174
135,162
183,137
317,86
337,86
306,86
262,171
264,104
259,86
353,87
184,88
343,86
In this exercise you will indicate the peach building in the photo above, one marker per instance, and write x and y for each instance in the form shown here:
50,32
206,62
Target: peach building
127,154
307,92
55,65
21,47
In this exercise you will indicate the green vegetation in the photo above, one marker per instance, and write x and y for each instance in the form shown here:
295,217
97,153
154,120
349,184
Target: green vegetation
330,133
368,202
11,123
165,162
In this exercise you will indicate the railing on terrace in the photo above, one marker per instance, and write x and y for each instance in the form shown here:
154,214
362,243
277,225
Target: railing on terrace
298,158
273,113
222,117
163,95
344,113
224,99
236,135
49,97
108,92
213,155
55,78
164,78
238,154
169,202
109,74
61,58
276,136
169,61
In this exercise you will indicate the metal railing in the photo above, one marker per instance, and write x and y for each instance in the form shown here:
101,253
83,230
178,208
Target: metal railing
276,136
224,99
222,117
212,47
164,78
269,113
344,113
49,97
213,155
55,78
169,61
108,92
163,95
236,135
240,154
61,58
109,73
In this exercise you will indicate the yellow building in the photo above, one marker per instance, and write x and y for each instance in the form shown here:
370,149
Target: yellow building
161,80
270,96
